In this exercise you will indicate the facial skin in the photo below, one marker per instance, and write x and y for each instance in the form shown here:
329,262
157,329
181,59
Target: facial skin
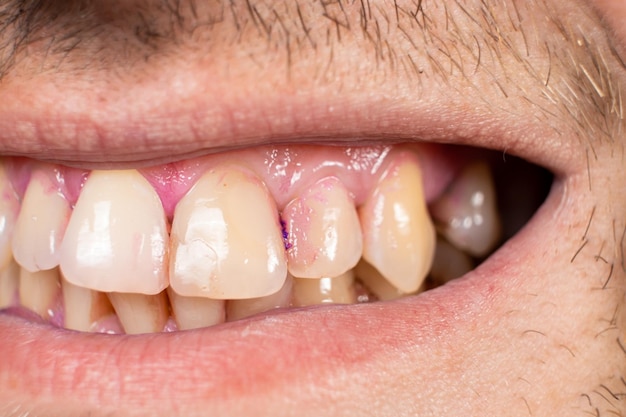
133,83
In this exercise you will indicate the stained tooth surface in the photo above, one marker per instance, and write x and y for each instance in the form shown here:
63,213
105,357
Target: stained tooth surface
9,209
195,312
39,291
116,239
324,232
84,308
376,283
335,290
141,313
9,284
238,309
467,214
40,225
226,239
450,262
398,234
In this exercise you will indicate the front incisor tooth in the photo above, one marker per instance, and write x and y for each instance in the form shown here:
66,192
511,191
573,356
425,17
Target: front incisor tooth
9,209
323,230
226,239
238,309
398,234
9,284
466,214
116,239
39,291
335,290
84,308
141,313
195,312
40,225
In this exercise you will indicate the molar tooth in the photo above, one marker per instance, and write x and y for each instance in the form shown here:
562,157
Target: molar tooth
466,214
39,290
9,209
239,309
116,239
40,224
141,313
226,239
84,308
335,290
450,262
398,235
324,231
9,284
195,312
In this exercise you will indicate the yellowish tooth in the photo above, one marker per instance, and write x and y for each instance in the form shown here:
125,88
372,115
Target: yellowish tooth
450,262
40,225
39,291
9,284
398,234
195,312
9,209
376,283
84,307
116,240
226,239
467,213
239,309
324,231
335,290
141,313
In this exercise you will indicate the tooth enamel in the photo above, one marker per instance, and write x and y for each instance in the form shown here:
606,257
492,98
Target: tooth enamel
467,214
238,309
449,263
116,239
336,290
226,239
195,312
324,231
376,283
9,284
141,313
9,209
398,235
40,225
39,291
84,308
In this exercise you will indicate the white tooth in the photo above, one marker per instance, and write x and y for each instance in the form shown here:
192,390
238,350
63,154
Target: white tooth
335,290
226,239
116,240
195,312
467,212
141,313
40,225
39,291
398,235
9,284
238,309
323,231
84,308
449,263
9,209
376,283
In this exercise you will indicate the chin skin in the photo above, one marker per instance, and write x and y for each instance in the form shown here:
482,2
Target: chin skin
538,329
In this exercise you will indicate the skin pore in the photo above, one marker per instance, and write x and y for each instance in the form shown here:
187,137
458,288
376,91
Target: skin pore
136,83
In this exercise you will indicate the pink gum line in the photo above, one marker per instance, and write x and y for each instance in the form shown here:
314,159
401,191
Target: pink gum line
286,170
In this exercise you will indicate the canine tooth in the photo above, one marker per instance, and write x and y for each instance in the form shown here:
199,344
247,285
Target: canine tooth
238,309
335,290
467,214
324,231
9,209
376,283
226,239
39,290
40,225
141,313
195,312
116,240
9,284
398,235
450,262
84,308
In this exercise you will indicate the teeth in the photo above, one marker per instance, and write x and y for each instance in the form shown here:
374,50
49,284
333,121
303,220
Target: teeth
238,309
336,290
116,240
141,313
40,225
195,312
324,231
226,239
9,209
398,235
9,284
467,214
450,262
376,283
39,291
84,308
